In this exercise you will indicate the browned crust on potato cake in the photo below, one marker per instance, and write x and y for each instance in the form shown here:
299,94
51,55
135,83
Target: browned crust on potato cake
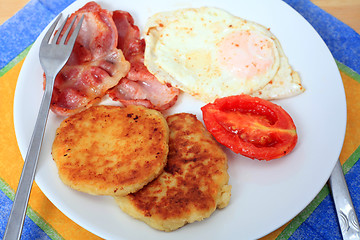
193,184
109,150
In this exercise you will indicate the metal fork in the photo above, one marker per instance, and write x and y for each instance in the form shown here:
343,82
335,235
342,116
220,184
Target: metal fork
53,56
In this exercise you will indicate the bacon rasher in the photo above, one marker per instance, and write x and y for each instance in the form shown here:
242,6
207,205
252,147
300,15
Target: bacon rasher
108,57
95,65
139,87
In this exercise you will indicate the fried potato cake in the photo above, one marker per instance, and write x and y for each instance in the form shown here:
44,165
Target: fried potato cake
193,185
108,150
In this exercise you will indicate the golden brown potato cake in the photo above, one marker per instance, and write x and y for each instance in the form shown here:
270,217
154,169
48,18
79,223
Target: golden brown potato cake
193,184
108,150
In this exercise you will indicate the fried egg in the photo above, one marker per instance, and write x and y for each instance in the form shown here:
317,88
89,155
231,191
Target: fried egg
210,53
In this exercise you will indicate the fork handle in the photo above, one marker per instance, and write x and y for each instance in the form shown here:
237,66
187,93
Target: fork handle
18,210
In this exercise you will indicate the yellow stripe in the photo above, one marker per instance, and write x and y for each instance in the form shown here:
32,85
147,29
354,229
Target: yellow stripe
352,135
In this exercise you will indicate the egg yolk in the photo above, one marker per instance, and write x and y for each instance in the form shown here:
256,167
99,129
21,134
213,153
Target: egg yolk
246,53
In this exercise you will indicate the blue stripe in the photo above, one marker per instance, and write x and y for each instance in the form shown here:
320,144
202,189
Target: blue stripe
343,41
24,27
30,231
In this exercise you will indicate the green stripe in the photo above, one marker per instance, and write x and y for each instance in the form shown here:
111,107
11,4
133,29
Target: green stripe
350,162
34,216
301,217
15,61
6,189
351,73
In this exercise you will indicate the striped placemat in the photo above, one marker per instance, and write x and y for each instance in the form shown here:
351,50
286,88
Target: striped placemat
45,221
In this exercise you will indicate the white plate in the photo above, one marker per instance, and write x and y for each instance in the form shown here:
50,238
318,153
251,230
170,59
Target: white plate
265,195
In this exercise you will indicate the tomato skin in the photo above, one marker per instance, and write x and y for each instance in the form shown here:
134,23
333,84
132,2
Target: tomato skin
251,126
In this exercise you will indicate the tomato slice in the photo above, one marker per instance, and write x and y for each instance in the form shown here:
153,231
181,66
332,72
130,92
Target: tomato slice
251,126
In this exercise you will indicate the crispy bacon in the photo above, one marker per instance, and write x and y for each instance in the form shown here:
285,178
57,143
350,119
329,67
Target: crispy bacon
139,87
95,65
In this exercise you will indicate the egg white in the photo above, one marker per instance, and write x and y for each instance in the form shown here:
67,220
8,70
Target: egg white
185,49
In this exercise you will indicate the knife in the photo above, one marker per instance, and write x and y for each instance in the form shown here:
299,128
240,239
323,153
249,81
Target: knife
345,210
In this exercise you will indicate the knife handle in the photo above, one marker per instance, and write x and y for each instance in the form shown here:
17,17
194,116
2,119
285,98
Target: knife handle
345,210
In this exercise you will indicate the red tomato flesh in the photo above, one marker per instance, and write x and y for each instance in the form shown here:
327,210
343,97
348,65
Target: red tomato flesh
251,126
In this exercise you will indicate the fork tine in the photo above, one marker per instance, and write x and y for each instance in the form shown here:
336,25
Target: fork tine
50,32
56,37
64,37
76,31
